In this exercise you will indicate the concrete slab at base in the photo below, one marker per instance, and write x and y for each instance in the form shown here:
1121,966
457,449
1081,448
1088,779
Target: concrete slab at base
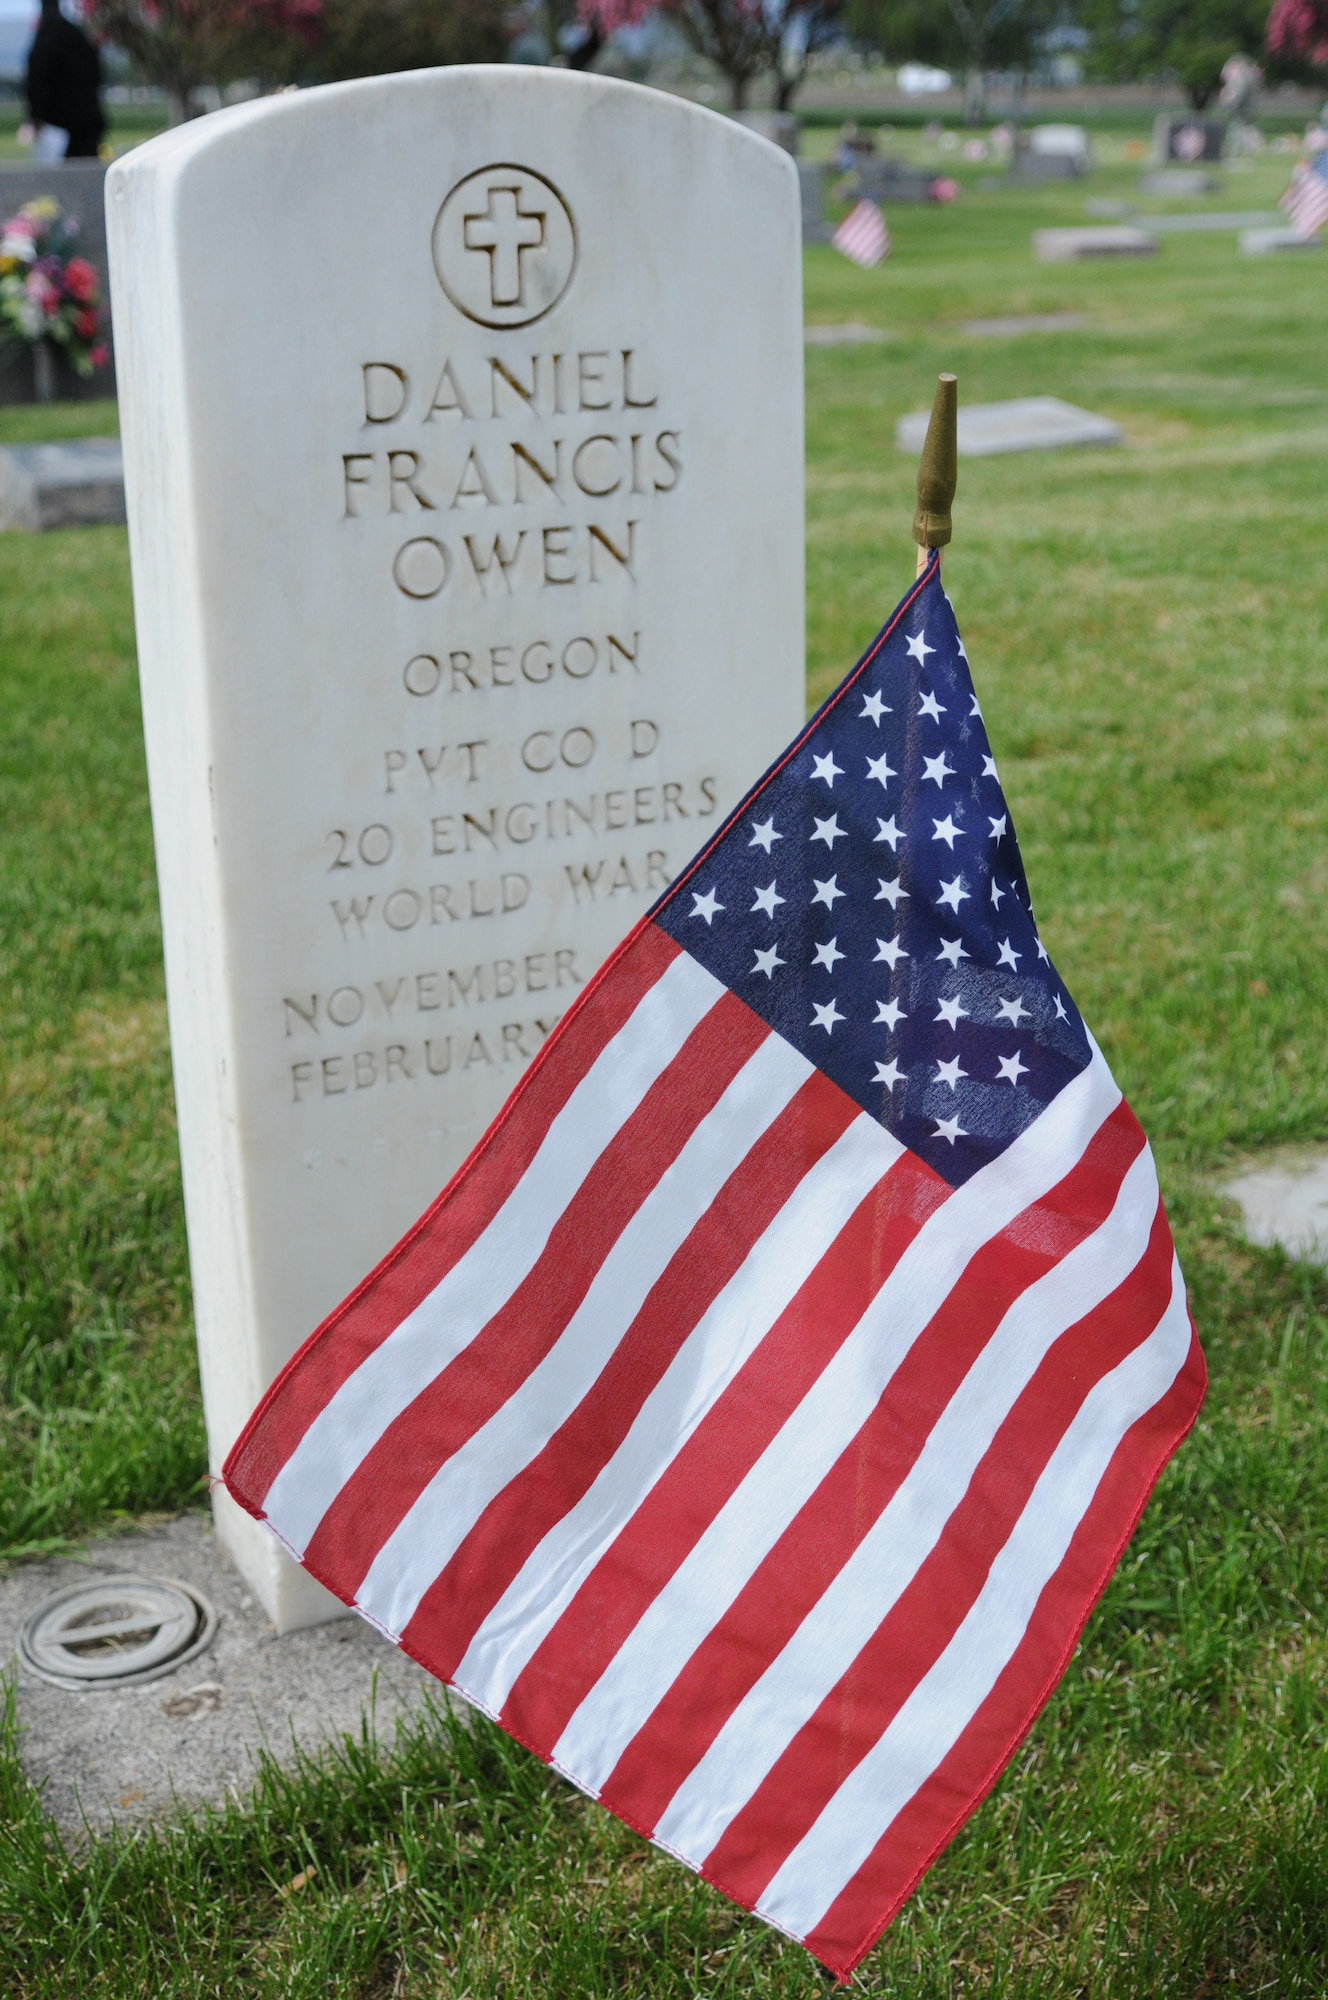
78,484
1286,1204
1028,423
129,1754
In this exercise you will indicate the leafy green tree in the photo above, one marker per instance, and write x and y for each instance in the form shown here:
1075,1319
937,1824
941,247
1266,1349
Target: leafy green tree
974,37
179,45
1177,41
374,37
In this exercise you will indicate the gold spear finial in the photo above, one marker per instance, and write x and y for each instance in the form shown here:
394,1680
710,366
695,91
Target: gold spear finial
938,471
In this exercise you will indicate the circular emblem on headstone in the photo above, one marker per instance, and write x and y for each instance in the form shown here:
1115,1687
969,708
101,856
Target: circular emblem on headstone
504,246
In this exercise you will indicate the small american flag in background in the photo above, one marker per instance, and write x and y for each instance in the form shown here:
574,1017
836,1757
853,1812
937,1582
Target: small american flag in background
752,1424
863,236
1306,199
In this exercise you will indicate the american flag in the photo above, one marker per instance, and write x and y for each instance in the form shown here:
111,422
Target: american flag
753,1422
863,236
1306,199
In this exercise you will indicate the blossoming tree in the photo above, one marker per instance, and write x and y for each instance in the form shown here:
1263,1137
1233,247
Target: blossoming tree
1298,33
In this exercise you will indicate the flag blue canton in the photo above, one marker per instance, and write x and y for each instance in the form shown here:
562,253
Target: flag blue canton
868,901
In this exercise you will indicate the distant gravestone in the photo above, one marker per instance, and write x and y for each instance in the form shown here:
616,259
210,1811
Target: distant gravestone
1187,138
1027,423
463,447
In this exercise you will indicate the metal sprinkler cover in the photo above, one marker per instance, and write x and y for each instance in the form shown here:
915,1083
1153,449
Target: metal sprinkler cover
116,1631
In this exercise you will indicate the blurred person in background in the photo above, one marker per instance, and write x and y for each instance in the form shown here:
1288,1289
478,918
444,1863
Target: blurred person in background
64,89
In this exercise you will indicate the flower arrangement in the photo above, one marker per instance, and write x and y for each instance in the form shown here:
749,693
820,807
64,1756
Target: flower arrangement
47,291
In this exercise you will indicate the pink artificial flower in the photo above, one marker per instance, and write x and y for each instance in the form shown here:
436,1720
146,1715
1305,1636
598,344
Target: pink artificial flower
42,292
21,225
80,279
85,323
100,356
944,189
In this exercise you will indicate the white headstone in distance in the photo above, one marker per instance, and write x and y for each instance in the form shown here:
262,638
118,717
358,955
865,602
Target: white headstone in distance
463,445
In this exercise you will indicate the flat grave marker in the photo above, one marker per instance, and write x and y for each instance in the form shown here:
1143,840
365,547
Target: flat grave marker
76,484
1071,246
1268,242
463,450
1027,423
1286,1203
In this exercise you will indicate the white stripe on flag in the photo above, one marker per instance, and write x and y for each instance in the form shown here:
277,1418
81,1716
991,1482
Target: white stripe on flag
464,1302
723,1340
825,1423
887,1559
945,1701
430,1533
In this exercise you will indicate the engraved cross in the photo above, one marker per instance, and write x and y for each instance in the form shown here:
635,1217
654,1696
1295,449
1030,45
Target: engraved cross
505,232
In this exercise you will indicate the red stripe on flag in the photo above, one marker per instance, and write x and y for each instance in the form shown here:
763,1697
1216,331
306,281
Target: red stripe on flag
474,1386
959,1784
720,1452
918,1628
514,1524
448,1228
789,1582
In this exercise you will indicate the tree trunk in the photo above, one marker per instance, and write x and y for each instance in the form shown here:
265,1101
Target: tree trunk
739,84
975,96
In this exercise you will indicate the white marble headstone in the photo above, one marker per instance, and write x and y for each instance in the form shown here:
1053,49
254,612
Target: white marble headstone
463,447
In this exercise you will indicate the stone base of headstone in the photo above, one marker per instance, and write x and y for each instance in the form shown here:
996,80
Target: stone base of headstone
78,187
78,484
1267,242
191,1737
1071,246
1028,423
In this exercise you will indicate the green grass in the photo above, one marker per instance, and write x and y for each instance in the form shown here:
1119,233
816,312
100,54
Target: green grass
1146,628
41,423
130,124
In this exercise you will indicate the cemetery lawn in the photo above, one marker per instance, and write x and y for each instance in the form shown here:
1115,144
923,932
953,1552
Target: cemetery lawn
1147,631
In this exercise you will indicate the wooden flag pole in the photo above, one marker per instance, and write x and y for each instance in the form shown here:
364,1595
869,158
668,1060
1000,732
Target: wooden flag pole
938,471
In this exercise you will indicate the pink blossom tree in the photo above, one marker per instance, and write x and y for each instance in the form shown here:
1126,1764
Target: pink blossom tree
1298,32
